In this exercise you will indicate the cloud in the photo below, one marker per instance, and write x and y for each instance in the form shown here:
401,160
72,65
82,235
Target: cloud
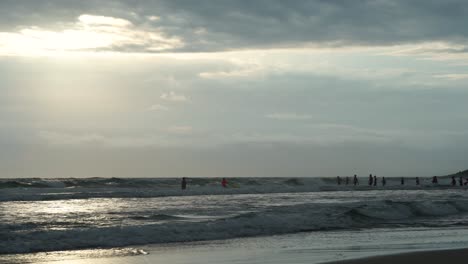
158,107
79,139
174,97
228,74
438,50
90,33
153,18
453,76
207,25
103,20
288,116
57,138
239,69
319,140
275,23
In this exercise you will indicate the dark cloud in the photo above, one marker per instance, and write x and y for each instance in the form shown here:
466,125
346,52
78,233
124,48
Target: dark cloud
208,25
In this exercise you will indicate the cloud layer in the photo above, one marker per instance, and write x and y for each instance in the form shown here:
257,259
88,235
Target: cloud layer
180,25
233,88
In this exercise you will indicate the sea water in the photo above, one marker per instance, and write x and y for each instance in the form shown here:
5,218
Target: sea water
117,215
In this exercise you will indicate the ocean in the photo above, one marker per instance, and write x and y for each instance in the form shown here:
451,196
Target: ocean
113,216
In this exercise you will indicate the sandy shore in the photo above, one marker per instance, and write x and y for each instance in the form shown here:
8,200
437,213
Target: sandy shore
457,256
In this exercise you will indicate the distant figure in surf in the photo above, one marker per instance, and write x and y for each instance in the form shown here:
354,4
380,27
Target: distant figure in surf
347,180
417,180
460,181
338,180
434,180
384,181
184,183
402,181
224,183
371,179
375,180
355,180
454,182
466,181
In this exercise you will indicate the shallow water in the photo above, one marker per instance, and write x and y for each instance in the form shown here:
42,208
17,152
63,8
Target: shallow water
300,248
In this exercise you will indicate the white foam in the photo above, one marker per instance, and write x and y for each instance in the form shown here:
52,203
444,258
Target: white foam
271,221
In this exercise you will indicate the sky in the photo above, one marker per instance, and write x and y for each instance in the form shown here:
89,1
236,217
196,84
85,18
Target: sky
263,88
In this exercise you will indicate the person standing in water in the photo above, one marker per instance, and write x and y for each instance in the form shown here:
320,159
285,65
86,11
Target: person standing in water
224,183
384,181
338,180
355,180
454,182
375,180
183,183
371,179
417,180
402,181
434,180
460,181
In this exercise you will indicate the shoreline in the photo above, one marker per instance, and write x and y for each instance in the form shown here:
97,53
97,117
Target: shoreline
452,256
328,247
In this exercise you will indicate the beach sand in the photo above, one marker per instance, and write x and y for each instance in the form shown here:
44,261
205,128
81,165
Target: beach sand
457,256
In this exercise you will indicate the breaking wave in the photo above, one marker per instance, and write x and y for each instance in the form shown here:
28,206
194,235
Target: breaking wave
270,221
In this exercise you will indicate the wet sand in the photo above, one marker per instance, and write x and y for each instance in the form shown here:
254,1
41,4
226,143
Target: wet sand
457,256
309,247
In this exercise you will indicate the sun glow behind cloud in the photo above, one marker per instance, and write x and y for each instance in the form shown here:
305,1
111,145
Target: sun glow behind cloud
88,34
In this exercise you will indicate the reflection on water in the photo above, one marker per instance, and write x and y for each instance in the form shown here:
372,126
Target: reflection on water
74,256
39,226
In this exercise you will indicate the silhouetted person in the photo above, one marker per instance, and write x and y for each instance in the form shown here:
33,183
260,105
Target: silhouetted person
375,180
460,181
384,181
402,181
454,182
371,180
338,180
224,183
417,180
434,180
184,183
355,180
347,180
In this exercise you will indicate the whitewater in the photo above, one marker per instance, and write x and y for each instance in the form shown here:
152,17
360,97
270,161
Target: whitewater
42,215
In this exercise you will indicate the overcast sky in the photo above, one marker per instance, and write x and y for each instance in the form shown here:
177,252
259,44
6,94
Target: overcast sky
229,88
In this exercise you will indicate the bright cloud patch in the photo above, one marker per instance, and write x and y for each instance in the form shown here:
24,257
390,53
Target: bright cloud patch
158,107
104,20
172,96
90,33
453,76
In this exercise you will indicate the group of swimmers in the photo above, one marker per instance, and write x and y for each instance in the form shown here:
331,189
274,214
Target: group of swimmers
460,181
183,183
373,180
